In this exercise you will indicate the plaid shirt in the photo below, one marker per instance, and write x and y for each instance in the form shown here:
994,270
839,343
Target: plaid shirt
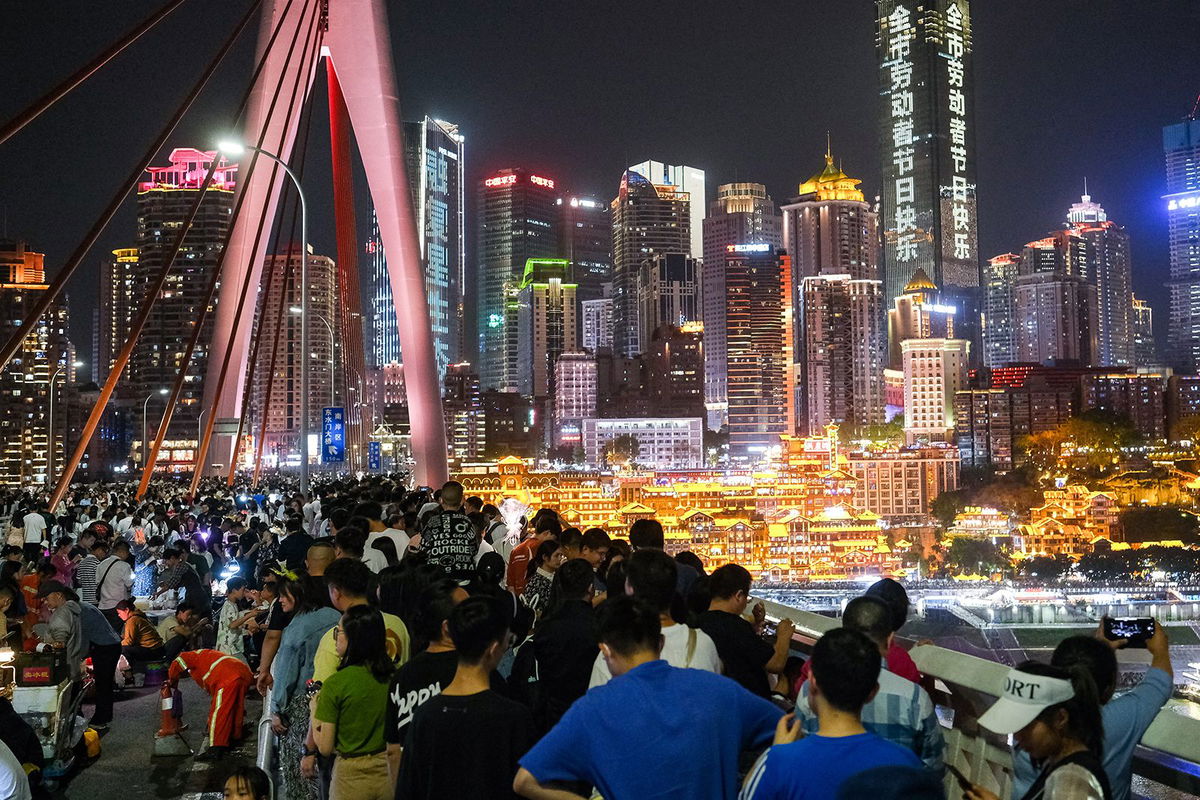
900,712
172,577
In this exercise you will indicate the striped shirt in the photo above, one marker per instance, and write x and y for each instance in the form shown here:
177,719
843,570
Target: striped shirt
85,578
900,712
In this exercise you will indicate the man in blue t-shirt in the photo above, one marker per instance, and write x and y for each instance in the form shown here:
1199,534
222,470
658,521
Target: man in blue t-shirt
845,675
689,726
1125,718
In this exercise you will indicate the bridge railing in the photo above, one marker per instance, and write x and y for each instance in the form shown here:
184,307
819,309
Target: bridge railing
966,685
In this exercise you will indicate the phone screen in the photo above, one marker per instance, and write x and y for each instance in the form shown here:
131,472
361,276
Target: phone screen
1136,629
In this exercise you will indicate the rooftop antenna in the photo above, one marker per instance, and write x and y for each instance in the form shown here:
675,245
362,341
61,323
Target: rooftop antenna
1195,109
1085,191
828,147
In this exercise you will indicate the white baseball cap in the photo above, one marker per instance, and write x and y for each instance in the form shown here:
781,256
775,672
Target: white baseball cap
1025,696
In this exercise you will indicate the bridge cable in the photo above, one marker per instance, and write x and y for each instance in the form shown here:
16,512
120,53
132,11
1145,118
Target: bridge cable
210,292
42,104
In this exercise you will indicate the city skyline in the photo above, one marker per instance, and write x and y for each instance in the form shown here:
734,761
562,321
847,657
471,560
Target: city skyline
1126,171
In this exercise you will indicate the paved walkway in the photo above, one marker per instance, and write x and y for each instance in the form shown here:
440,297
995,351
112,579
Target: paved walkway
126,770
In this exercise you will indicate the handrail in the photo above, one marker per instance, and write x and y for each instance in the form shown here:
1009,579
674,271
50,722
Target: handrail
967,684
266,744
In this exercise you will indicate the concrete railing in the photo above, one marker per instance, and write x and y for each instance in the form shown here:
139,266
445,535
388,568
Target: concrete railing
966,685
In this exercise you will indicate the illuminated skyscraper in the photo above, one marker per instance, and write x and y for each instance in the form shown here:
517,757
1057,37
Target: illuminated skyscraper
844,347
383,336
755,351
668,293
1145,350
281,444
434,151
463,407
597,324
689,180
115,309
832,236
546,325
517,221
1054,307
1099,252
585,239
163,202
1181,144
648,219
743,213
916,314
934,370
45,355
1000,281
927,132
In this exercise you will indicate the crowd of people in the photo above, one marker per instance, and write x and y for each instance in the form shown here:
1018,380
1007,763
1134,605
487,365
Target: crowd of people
411,644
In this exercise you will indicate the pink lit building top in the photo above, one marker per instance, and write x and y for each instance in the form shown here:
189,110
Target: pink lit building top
188,169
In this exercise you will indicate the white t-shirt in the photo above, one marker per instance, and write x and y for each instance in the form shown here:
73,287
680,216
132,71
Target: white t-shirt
484,547
35,527
118,580
13,782
675,652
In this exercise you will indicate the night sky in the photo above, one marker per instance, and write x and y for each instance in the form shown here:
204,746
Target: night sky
578,90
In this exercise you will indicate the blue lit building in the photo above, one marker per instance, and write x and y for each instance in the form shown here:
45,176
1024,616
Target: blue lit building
1181,144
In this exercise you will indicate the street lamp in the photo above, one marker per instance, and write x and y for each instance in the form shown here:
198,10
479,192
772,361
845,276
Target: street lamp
233,149
328,327
145,411
50,455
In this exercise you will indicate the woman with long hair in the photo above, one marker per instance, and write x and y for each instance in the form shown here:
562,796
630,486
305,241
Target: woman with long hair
349,712
300,596
540,575
1054,715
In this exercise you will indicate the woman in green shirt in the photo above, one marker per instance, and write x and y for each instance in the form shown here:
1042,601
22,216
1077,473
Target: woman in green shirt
349,715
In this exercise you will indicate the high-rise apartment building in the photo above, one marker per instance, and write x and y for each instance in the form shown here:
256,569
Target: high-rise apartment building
546,325
755,347
585,239
518,210
673,371
115,309
843,352
435,164
648,219
999,336
575,395
382,333
990,423
668,293
1099,252
832,237
687,180
463,408
1140,397
1181,146
927,149
164,200
597,324
1145,349
276,391
742,214
1055,308
934,370
42,366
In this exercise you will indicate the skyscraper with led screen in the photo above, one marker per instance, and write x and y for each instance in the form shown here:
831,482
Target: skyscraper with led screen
1181,144
927,143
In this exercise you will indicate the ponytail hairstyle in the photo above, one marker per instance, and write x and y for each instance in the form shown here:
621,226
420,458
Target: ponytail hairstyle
1084,723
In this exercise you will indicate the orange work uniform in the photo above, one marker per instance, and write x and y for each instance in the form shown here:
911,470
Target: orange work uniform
226,680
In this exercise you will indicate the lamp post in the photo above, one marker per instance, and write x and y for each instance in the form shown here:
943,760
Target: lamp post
332,362
145,411
50,420
233,150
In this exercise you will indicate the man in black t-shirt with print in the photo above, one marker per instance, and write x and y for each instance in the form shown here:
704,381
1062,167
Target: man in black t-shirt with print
444,755
746,656
448,538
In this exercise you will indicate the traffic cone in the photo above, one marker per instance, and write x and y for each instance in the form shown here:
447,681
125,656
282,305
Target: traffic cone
168,742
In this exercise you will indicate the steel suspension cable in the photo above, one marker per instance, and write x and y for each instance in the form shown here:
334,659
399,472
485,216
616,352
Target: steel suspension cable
55,288
202,450
214,282
42,104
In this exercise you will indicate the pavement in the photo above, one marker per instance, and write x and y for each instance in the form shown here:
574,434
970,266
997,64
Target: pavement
126,770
